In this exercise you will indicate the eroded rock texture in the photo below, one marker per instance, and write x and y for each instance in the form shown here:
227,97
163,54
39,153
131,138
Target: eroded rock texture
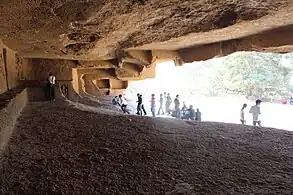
130,35
101,29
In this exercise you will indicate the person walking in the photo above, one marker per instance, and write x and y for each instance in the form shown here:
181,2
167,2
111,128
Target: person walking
123,104
51,86
242,117
161,105
139,103
142,109
255,111
168,104
153,105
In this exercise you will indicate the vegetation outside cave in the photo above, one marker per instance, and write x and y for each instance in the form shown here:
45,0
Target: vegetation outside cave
224,84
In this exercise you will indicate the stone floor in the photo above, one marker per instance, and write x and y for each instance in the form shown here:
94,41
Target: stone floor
58,149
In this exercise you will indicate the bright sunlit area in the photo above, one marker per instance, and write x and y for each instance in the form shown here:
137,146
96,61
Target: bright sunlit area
220,86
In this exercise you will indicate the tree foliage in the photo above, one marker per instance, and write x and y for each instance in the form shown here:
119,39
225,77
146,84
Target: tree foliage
252,74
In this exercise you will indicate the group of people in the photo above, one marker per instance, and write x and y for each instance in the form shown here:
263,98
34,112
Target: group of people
165,102
164,108
184,112
120,101
254,110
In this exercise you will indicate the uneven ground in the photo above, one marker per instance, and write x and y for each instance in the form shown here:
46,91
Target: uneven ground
59,149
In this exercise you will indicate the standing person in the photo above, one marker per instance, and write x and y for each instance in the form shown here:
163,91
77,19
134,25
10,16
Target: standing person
142,106
123,104
177,106
255,110
242,118
139,103
198,115
51,86
161,105
165,95
191,112
168,104
153,105
184,111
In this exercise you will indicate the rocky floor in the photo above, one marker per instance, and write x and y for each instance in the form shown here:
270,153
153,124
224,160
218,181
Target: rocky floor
58,149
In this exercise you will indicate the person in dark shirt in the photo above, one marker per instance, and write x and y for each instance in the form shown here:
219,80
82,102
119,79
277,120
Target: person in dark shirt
198,115
177,106
115,101
142,106
139,102
191,113
184,111
153,105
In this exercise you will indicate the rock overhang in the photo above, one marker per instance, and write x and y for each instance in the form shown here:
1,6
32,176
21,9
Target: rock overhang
88,30
109,43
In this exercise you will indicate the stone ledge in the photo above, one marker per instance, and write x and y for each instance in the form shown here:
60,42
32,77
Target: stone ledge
9,113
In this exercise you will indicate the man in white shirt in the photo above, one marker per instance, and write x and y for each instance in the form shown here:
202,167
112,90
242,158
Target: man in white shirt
123,104
255,110
51,85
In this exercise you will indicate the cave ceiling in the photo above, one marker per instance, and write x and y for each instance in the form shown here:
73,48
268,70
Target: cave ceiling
108,29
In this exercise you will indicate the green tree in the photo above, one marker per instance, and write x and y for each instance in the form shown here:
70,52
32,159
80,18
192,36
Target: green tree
252,74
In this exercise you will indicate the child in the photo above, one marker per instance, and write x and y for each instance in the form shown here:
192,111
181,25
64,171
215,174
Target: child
242,118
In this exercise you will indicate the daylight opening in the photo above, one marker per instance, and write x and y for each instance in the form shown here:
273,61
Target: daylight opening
220,86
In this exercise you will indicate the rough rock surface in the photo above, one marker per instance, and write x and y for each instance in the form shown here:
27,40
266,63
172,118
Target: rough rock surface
102,28
59,149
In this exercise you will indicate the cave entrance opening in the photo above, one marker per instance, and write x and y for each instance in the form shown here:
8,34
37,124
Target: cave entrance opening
220,86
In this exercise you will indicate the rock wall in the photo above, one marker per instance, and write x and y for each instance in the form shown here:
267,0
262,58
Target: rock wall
34,73
87,78
12,69
8,69
3,83
9,114
38,69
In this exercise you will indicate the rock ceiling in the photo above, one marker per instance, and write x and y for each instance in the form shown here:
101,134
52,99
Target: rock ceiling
108,29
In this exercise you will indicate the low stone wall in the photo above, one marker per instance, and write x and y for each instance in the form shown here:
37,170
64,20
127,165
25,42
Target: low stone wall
9,113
